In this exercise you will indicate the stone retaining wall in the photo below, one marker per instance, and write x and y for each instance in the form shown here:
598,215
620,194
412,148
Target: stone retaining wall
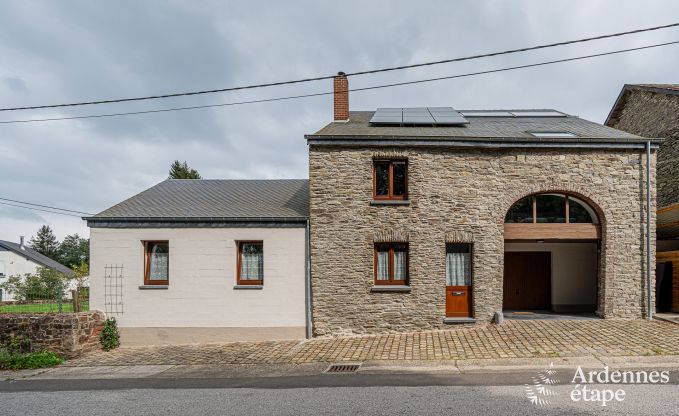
69,334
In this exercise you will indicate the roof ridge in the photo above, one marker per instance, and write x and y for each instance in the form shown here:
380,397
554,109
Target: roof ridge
237,179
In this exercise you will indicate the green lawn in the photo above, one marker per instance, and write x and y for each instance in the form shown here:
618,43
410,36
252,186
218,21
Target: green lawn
41,307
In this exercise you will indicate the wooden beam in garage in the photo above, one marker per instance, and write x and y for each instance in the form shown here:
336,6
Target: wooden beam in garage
552,231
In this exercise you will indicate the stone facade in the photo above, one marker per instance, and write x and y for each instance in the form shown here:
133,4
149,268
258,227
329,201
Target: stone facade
69,334
461,195
654,114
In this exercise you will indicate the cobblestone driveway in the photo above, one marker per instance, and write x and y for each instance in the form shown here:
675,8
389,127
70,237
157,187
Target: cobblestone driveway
513,339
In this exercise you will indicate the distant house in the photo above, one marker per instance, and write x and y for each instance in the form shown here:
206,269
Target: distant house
204,260
652,110
19,259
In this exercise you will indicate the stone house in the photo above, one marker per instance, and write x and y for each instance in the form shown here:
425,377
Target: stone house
426,217
652,110
411,219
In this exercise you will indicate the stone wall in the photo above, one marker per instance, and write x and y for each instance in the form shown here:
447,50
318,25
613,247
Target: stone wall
69,334
651,114
461,194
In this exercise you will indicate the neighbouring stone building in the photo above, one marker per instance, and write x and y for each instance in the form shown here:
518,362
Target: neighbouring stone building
652,110
424,217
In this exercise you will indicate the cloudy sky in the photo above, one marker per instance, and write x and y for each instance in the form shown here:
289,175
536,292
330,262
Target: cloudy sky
54,52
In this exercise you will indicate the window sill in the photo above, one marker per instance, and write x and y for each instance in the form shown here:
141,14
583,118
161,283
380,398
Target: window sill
390,289
154,287
248,287
460,320
390,202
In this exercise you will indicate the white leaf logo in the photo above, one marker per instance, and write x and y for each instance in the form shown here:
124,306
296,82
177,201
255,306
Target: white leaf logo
538,392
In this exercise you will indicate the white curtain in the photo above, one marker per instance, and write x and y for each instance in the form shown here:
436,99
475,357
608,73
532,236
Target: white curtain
382,265
159,263
252,263
399,265
458,271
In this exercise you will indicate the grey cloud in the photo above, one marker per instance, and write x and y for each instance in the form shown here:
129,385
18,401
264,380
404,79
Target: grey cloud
84,50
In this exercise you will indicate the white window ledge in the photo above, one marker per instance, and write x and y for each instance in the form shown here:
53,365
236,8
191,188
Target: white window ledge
154,287
390,288
248,287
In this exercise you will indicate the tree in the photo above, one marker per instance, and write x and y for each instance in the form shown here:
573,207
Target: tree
44,284
45,242
180,170
74,251
81,273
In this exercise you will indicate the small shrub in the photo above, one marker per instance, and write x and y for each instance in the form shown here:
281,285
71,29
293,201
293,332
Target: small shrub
21,361
110,337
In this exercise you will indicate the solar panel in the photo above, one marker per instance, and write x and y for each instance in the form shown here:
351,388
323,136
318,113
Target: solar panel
421,116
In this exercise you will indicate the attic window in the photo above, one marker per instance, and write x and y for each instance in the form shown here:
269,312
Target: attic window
552,134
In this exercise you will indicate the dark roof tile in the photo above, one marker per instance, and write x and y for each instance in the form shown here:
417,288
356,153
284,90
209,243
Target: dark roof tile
216,199
479,128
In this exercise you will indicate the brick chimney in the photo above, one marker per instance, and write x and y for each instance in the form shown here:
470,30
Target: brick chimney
341,96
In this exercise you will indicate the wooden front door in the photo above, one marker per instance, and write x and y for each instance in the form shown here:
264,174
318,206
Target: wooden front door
458,301
527,280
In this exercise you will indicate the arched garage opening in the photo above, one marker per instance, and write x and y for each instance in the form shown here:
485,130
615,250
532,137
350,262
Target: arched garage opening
552,243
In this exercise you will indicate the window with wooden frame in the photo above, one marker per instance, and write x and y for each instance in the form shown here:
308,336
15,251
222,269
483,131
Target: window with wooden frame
156,262
250,264
551,208
391,263
390,179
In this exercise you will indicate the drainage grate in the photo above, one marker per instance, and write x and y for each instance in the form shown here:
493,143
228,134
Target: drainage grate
342,368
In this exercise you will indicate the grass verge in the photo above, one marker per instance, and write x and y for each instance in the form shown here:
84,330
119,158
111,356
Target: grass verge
28,360
41,307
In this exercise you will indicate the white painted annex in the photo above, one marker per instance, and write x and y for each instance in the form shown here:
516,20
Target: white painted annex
201,302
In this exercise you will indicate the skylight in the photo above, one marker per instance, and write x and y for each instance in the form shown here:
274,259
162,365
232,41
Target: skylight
552,134
487,114
546,113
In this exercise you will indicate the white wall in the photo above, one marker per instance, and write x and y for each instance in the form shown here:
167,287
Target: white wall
14,264
574,268
202,275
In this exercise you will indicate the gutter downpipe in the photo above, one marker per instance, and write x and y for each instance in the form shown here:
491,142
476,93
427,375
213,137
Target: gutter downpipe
648,230
307,281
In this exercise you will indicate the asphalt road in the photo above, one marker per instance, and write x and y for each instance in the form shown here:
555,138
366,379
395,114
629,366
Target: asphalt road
383,394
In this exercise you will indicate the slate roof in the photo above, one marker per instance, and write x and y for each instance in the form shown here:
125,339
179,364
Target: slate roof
479,129
215,199
36,257
621,101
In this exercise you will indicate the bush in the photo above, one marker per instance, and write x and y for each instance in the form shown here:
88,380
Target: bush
20,361
43,284
110,337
